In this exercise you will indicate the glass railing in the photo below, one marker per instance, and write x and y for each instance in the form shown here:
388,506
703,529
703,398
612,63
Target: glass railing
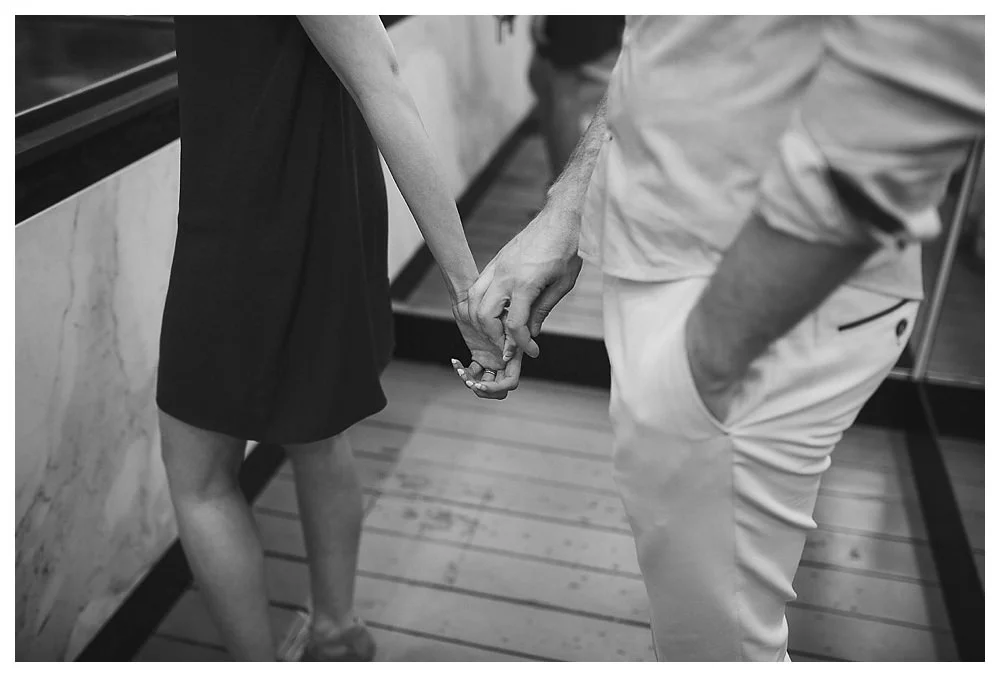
949,344
58,56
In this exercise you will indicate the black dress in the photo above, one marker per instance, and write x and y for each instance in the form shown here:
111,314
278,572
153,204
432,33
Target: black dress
277,322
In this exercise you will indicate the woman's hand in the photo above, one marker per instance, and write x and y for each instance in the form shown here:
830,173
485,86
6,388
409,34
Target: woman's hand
488,375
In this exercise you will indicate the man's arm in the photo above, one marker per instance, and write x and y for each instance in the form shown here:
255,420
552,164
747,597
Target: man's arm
766,283
537,268
568,191
887,119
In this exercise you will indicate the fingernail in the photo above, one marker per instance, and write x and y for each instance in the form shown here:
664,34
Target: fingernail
455,362
469,383
461,372
481,386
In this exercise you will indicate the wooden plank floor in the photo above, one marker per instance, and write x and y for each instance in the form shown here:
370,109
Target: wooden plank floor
493,533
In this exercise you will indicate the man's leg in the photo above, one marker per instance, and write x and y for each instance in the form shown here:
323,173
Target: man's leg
720,509
219,535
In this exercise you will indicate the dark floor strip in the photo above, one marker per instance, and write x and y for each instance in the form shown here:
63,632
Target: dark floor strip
959,410
427,635
147,605
151,600
953,555
816,656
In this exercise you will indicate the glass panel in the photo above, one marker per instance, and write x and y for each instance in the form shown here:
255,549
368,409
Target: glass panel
57,55
959,349
959,342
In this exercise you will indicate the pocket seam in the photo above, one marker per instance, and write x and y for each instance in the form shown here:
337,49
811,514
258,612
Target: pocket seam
872,318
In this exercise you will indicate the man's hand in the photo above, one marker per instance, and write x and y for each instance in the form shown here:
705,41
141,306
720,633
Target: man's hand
766,283
489,375
716,380
526,279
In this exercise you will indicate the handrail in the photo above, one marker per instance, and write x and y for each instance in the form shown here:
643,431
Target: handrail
95,98
119,100
71,103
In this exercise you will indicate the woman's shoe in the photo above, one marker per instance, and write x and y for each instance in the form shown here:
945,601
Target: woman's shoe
353,644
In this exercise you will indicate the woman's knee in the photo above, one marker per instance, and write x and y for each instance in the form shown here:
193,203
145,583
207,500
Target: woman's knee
198,462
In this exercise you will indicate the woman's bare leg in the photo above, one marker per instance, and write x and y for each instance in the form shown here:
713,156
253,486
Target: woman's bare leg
331,509
219,534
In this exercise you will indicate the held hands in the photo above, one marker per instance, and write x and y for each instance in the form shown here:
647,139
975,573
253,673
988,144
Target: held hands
489,375
505,308
507,305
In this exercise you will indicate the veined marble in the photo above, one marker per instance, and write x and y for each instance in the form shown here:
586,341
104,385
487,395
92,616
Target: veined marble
92,507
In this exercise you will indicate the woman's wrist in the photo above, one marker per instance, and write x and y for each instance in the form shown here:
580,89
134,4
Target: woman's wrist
459,284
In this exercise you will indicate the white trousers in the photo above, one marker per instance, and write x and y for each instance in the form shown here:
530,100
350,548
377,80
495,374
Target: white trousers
720,509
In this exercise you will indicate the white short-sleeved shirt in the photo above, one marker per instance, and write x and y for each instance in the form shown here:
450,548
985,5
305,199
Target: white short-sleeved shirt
710,118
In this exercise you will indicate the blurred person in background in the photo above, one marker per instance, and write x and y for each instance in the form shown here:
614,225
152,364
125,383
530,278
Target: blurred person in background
277,322
569,73
754,190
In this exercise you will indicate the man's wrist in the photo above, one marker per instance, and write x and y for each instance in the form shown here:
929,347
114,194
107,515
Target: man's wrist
558,226
566,198
715,355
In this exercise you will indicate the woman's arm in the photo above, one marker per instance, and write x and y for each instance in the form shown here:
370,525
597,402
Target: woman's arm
358,49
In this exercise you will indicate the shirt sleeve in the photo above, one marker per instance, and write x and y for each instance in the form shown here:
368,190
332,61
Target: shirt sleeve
889,115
